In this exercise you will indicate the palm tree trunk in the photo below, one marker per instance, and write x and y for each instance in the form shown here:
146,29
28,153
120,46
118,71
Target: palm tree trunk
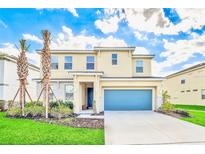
20,95
23,97
47,99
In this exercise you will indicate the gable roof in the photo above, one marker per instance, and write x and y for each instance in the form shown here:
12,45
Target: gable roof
12,58
192,68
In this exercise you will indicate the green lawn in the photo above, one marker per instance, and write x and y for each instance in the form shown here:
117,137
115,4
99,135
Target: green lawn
197,113
25,131
190,107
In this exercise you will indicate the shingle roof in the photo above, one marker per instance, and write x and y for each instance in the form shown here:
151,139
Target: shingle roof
187,69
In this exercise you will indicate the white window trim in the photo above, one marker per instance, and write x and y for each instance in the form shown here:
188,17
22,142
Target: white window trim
142,66
68,63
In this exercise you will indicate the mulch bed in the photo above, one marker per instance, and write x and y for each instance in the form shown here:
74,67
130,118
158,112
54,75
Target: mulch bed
71,121
87,123
76,122
176,113
96,114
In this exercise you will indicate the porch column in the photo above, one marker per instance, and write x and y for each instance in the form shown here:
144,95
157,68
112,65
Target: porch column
76,94
159,100
97,94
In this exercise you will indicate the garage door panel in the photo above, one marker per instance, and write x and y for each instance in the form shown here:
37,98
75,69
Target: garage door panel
128,99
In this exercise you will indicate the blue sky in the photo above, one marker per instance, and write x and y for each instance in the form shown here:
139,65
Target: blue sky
175,36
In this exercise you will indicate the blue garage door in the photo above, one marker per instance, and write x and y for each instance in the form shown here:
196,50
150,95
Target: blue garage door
120,100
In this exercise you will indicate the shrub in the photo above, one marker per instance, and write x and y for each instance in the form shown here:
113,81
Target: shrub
35,103
1,105
14,112
166,106
68,104
34,111
4,105
55,104
61,112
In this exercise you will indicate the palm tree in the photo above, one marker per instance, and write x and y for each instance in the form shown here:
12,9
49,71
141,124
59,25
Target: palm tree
46,64
22,71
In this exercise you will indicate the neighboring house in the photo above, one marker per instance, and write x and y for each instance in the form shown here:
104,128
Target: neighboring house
9,83
105,78
187,86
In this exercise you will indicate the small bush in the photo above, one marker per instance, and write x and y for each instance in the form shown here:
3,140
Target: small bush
68,104
4,105
166,106
61,112
34,111
14,112
55,104
31,104
1,105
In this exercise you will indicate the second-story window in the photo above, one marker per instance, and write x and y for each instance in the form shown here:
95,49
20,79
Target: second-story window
90,63
68,62
139,66
54,62
114,59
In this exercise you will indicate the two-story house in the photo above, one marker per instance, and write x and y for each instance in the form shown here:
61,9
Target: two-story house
187,86
108,78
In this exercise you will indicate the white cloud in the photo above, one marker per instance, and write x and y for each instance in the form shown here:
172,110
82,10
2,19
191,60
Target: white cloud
2,23
110,21
73,11
141,50
98,12
10,49
179,52
140,36
192,64
154,20
108,25
67,40
32,38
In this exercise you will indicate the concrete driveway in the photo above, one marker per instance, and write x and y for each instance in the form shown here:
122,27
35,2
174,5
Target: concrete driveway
146,127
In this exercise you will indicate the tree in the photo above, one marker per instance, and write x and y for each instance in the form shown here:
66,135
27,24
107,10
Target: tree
22,71
46,64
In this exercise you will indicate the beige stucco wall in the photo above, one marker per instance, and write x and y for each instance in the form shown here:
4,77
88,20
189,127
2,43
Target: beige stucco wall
146,67
99,85
79,64
193,80
123,67
103,62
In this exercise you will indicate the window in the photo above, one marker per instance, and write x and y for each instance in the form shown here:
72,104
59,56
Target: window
139,66
195,90
188,91
54,62
114,59
182,91
183,81
68,92
90,63
68,62
203,94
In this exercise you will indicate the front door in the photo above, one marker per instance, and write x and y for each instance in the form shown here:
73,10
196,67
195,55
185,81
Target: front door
90,97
